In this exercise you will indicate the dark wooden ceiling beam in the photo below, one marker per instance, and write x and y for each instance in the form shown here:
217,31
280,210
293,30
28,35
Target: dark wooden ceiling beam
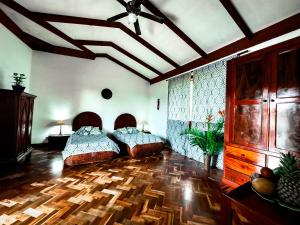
118,48
149,46
103,23
40,45
123,65
235,15
288,25
74,20
28,14
174,28
13,27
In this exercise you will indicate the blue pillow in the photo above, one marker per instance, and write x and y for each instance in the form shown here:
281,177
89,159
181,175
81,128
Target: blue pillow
95,131
122,130
84,131
128,130
132,130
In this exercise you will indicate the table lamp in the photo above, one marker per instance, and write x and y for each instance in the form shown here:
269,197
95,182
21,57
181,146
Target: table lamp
143,125
60,123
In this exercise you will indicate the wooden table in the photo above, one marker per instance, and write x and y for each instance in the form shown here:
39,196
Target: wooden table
244,206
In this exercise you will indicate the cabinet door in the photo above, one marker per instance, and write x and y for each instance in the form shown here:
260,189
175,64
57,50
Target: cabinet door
22,133
30,117
249,126
285,101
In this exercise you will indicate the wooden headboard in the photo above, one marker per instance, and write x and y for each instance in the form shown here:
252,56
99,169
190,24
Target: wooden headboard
86,119
125,120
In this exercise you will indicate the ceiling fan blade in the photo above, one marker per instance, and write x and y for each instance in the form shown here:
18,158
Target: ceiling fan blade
152,17
117,17
138,3
123,3
137,27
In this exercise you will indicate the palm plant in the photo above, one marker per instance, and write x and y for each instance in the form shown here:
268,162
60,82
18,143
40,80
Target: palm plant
210,141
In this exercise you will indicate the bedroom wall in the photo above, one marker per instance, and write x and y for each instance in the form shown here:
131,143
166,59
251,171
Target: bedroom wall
15,56
66,86
158,118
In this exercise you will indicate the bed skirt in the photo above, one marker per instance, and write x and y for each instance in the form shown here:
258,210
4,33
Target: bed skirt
89,158
139,150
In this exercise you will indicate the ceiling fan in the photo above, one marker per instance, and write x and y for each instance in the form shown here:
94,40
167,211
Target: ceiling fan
133,9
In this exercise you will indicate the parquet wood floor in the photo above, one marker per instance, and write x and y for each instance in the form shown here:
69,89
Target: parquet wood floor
163,189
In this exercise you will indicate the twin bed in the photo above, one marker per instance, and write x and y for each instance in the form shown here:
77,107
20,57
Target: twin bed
89,144
132,141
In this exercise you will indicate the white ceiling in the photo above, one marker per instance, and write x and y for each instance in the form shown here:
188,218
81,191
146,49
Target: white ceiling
206,22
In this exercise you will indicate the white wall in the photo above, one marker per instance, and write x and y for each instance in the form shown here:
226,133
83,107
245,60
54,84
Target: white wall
66,86
15,57
158,118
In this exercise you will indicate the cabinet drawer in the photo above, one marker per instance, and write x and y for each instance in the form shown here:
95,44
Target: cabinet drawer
235,176
246,156
241,166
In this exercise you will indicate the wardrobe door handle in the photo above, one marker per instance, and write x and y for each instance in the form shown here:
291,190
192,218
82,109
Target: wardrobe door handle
265,100
272,100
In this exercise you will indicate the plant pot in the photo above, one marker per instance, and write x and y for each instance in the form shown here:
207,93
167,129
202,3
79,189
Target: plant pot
207,160
18,88
214,161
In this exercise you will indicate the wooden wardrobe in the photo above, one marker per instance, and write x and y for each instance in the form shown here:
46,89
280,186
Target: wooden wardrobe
16,110
262,110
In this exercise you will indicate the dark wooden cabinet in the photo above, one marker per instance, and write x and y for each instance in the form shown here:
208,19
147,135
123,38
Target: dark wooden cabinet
57,142
250,109
16,111
262,110
285,101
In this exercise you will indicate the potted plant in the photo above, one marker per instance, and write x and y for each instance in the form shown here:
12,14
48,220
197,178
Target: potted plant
210,141
18,82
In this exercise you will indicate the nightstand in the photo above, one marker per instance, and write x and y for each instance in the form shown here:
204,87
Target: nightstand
57,142
146,132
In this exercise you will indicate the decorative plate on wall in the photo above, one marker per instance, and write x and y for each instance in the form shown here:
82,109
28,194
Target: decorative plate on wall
106,93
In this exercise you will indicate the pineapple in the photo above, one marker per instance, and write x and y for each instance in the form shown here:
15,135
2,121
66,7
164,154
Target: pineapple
288,186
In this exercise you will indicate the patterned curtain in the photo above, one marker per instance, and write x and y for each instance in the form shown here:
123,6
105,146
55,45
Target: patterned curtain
209,96
178,113
179,89
209,90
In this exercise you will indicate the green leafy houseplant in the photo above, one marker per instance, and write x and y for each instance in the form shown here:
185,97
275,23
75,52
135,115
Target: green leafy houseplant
210,141
18,82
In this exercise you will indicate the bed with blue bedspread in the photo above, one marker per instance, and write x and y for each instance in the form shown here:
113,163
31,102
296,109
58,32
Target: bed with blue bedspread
88,144
136,143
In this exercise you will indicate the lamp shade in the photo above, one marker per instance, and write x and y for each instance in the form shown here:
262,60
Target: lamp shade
60,122
144,123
